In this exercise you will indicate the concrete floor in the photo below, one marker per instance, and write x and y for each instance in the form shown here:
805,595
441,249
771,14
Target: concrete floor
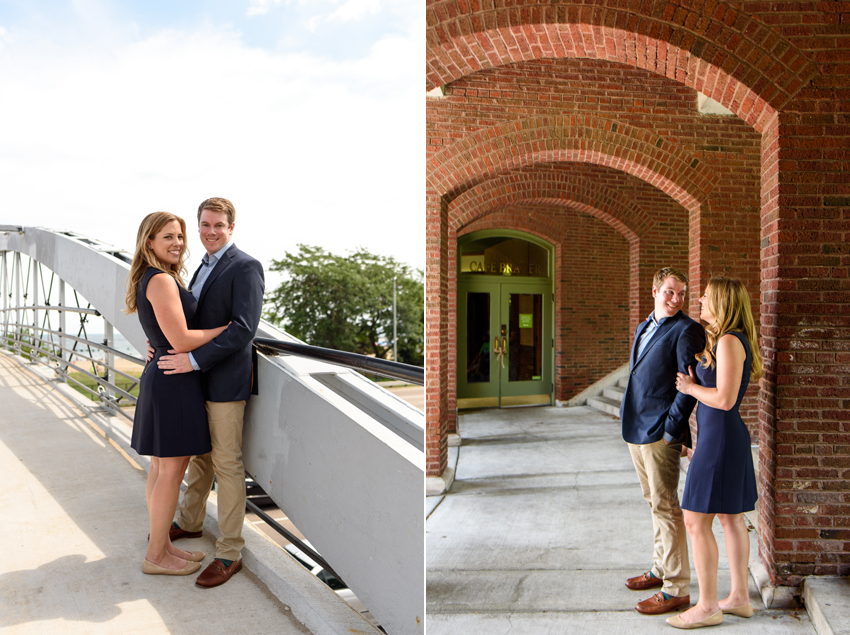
543,525
74,527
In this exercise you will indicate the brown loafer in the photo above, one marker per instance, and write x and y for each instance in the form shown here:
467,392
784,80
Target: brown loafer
217,574
175,532
645,581
657,604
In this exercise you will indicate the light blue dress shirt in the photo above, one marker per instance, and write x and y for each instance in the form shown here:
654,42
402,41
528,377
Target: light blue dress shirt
648,332
208,263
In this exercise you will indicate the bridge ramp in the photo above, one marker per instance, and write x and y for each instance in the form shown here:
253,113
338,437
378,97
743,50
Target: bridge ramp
74,526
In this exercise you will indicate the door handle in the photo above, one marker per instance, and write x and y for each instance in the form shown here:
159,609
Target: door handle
500,350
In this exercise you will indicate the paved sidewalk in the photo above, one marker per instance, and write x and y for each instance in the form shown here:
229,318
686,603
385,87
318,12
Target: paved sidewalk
74,530
543,525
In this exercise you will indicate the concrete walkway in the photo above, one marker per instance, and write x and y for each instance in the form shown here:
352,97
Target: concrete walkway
543,525
74,527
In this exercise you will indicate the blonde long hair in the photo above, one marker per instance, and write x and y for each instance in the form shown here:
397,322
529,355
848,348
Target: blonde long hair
730,304
144,257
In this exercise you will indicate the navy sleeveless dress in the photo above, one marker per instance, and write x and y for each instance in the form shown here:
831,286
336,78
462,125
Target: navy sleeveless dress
720,478
171,417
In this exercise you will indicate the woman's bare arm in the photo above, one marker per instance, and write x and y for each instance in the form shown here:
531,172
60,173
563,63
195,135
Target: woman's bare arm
731,356
163,294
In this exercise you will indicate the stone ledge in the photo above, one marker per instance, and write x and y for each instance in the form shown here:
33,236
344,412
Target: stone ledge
827,602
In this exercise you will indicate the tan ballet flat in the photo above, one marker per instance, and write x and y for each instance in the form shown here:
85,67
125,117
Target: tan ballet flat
712,620
154,569
745,610
196,556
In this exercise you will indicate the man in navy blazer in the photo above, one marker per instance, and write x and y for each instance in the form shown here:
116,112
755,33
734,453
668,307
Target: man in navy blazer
229,288
655,416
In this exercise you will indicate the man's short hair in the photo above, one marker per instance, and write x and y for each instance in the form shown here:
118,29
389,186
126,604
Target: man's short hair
669,272
218,205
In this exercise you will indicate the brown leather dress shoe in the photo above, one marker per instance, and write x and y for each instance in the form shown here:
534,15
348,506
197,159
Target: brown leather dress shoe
217,573
645,581
657,604
175,532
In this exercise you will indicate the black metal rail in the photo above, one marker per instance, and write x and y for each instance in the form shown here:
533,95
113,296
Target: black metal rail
364,363
271,522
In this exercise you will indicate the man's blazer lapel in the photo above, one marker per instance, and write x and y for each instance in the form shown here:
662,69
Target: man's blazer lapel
659,333
638,333
195,277
220,266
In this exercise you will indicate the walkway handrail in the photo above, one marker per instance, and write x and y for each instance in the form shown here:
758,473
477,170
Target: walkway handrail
50,307
373,365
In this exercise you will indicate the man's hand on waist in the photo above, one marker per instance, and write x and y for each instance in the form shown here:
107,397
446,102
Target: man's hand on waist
175,363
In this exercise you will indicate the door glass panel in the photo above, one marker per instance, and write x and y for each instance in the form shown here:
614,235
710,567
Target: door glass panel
477,337
526,337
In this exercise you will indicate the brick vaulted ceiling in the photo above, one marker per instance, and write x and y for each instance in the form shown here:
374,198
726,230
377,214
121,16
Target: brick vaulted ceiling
711,46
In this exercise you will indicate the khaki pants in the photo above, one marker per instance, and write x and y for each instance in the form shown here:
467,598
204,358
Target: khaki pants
657,466
225,463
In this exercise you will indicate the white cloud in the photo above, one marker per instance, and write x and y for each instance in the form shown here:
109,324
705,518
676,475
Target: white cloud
5,37
309,150
349,11
260,7
355,10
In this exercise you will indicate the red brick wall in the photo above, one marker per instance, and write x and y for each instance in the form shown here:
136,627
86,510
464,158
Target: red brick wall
725,147
774,211
784,69
436,325
806,406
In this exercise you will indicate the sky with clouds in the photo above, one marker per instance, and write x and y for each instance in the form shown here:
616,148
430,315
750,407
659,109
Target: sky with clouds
307,114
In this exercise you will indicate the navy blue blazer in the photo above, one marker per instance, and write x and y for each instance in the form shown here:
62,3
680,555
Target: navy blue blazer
652,408
233,292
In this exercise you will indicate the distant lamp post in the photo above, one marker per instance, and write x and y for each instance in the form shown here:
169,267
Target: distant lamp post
395,325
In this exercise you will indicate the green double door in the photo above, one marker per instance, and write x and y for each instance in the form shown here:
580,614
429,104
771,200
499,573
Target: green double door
505,345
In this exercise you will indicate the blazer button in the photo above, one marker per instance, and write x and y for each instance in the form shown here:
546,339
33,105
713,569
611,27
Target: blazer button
633,372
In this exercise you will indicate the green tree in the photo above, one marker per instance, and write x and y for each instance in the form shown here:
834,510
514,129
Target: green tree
346,302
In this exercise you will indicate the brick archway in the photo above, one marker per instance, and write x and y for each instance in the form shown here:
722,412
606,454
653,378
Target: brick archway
623,215
714,48
575,268
547,188
490,152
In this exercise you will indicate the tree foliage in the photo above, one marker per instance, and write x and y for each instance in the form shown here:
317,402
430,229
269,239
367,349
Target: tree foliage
346,302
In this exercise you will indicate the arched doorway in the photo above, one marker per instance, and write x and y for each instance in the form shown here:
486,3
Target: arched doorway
505,309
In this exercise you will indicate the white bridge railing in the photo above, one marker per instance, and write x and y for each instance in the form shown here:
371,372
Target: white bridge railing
343,458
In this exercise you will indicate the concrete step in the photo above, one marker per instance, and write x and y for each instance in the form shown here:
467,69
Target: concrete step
614,392
605,404
623,381
827,602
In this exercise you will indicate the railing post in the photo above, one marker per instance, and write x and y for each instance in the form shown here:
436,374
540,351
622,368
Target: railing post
5,305
109,340
63,342
36,270
18,281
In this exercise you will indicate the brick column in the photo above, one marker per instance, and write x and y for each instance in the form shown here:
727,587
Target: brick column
805,404
436,325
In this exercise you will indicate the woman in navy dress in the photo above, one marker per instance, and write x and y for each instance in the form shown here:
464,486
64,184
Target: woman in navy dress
721,480
170,424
